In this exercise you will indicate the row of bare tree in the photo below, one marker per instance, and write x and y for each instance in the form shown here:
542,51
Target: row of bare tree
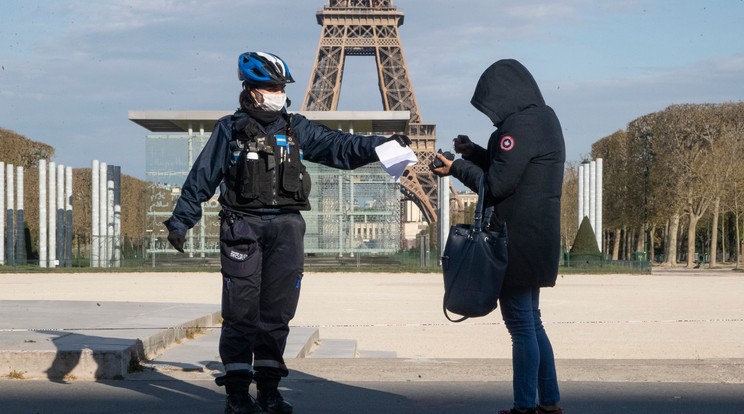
664,174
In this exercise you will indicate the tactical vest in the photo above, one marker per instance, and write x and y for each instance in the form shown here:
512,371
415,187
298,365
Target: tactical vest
266,170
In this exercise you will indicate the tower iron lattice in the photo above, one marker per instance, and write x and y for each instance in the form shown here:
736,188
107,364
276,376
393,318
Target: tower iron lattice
370,28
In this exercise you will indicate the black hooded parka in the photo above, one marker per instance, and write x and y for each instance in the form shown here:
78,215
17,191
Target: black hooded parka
524,164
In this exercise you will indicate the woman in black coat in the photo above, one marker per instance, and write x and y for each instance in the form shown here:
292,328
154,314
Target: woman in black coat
524,165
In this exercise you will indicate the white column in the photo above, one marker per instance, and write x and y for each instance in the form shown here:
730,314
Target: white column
19,188
95,239
10,219
52,214
103,211
111,236
581,193
2,213
68,217
444,212
117,236
42,213
116,200
598,214
593,195
586,190
60,214
20,238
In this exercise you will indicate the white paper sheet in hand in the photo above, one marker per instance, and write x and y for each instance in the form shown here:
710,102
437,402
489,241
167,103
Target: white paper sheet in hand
395,158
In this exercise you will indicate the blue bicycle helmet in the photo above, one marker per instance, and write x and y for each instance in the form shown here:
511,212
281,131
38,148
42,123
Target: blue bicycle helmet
263,69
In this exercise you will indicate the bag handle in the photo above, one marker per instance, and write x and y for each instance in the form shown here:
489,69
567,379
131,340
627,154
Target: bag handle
446,313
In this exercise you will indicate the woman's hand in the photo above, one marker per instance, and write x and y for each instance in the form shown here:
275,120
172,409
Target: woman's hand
463,145
446,163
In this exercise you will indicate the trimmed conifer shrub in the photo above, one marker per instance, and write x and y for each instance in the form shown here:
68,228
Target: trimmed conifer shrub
585,250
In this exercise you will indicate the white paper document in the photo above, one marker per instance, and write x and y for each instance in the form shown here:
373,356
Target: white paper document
395,158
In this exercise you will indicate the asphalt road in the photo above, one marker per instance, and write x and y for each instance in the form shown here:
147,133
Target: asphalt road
316,396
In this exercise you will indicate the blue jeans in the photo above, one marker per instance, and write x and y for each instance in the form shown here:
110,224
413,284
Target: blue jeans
532,355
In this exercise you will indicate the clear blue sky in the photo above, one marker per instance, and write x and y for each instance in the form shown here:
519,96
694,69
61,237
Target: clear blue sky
71,69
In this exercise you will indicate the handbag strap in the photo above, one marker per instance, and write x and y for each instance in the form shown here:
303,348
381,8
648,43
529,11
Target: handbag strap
482,218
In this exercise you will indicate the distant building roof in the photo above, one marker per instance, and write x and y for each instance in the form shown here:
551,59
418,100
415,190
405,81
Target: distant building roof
358,121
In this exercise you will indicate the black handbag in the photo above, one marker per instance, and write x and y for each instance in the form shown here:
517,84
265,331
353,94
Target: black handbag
474,263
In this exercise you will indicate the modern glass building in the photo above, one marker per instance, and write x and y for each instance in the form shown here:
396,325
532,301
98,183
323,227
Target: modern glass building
353,212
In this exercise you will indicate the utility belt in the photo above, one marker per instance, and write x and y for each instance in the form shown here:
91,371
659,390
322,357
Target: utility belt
231,216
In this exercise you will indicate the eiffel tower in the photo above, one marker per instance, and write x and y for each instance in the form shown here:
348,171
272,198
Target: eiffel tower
370,28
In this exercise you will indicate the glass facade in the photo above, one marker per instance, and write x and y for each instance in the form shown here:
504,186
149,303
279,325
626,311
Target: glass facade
353,212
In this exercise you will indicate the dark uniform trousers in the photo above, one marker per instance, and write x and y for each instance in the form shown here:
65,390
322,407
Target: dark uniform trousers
262,265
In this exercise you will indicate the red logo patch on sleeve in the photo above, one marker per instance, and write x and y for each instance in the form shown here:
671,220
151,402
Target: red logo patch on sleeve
507,143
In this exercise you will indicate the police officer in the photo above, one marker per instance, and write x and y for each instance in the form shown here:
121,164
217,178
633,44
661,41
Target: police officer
256,158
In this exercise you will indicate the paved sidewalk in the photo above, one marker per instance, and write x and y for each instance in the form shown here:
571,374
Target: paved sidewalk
646,328
667,315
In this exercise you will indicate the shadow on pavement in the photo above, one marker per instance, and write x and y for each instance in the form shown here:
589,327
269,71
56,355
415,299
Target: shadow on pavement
111,370
103,355
189,388
313,395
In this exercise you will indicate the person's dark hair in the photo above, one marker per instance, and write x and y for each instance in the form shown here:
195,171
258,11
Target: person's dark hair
245,99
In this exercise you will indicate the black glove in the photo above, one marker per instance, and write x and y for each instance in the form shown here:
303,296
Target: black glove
401,139
177,240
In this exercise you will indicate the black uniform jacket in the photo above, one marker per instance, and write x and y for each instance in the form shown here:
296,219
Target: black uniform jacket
318,143
524,164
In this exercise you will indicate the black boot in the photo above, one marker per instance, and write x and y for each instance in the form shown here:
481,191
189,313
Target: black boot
242,403
271,400
239,400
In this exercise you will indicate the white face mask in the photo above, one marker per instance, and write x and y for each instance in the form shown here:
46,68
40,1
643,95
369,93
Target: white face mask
273,102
